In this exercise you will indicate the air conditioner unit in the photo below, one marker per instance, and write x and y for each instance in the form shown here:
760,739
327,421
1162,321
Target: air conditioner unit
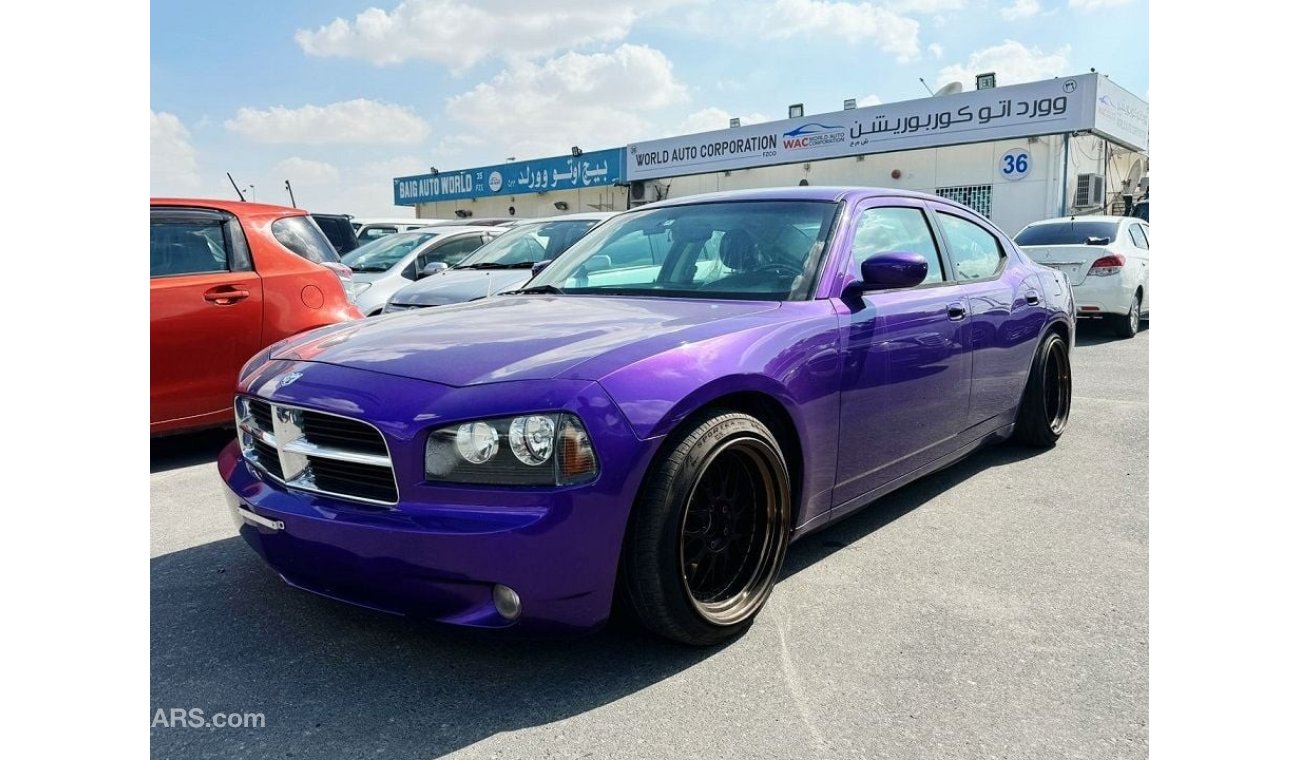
1090,191
641,192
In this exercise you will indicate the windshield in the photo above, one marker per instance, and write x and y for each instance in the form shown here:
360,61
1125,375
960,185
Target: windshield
1067,233
760,250
528,244
386,252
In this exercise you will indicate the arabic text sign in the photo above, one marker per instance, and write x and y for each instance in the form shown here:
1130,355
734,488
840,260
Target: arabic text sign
1121,115
1037,108
594,169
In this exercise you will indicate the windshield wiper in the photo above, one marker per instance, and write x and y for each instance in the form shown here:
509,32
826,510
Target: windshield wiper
485,265
548,289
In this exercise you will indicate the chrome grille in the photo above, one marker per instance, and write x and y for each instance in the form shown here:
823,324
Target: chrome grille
316,451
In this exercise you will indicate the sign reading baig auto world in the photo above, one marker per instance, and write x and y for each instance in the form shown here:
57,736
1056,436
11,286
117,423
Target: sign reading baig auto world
1052,106
595,169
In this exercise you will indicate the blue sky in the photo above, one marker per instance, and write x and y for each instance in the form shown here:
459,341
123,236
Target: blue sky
341,96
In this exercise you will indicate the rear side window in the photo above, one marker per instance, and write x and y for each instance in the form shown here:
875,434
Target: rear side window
301,235
1068,233
883,230
187,247
1139,236
973,250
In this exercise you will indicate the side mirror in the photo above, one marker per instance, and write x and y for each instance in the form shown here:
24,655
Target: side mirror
434,267
539,266
892,269
598,263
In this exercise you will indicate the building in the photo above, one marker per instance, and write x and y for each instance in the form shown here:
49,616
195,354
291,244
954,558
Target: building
1016,154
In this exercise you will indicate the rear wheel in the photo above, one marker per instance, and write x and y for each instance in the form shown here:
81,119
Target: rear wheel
1045,406
709,534
1128,325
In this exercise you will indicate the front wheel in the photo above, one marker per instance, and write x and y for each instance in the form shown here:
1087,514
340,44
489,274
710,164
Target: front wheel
1045,406
708,536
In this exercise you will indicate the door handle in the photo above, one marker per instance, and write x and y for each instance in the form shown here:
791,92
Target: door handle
1031,296
224,295
956,312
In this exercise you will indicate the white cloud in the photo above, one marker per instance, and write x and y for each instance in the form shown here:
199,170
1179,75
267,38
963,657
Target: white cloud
1092,5
399,166
304,172
1021,9
870,100
351,121
925,6
935,49
1011,61
851,22
173,161
711,118
593,101
460,33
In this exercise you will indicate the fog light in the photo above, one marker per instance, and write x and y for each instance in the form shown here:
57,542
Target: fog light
507,602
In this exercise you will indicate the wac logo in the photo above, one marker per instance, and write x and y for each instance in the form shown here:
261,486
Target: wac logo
812,135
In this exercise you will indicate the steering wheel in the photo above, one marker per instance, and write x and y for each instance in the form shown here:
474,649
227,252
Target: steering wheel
778,267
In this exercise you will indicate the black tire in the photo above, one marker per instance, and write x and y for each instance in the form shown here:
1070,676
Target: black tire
709,532
1128,325
1045,405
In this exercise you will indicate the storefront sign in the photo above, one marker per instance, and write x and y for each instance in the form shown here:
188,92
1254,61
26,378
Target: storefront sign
595,169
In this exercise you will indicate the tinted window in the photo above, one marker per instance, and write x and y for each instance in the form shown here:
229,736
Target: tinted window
186,247
452,252
757,250
338,230
1067,233
896,229
973,250
374,233
301,235
1138,235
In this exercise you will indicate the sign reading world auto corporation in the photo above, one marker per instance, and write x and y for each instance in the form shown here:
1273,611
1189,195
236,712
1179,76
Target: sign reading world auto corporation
1052,106
595,169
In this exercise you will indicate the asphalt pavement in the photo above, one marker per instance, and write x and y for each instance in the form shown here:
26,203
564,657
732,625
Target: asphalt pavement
997,609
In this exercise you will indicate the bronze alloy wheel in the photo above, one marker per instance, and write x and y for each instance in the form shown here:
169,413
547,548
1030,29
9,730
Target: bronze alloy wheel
1057,387
731,531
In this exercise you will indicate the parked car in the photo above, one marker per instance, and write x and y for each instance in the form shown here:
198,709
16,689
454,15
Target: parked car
338,228
487,221
371,229
640,419
1107,261
382,267
227,279
505,263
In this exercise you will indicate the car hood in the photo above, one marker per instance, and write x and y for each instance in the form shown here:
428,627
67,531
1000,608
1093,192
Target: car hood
527,337
460,285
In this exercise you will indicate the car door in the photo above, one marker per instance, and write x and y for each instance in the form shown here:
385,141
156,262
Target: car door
1007,312
205,312
905,391
1139,236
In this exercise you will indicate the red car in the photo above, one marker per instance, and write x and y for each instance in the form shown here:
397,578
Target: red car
226,279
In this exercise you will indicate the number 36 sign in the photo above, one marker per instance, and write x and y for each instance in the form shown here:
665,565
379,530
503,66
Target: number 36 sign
1015,164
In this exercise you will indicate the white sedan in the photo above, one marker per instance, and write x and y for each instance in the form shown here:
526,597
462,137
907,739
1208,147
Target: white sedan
1107,260
384,266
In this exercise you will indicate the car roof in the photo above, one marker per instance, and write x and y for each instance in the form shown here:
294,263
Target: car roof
447,229
234,207
1080,218
805,193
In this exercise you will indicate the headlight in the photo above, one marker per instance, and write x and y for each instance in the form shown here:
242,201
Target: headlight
531,449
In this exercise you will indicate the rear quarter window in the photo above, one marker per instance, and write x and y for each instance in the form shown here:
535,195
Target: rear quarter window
301,235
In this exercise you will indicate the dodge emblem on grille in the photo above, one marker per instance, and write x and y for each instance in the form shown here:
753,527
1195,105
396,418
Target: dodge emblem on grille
287,379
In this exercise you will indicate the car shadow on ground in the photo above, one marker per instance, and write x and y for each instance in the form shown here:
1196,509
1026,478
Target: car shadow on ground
1096,332
336,681
171,452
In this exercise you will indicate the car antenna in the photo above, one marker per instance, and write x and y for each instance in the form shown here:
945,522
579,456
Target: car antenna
232,184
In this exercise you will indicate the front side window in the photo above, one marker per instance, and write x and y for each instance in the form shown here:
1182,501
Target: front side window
301,235
528,244
882,230
186,247
374,233
759,250
452,252
973,250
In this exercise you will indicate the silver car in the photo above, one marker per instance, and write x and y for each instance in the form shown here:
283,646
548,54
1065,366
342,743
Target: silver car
504,264
382,267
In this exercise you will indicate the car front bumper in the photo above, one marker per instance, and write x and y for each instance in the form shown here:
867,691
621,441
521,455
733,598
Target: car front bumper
441,550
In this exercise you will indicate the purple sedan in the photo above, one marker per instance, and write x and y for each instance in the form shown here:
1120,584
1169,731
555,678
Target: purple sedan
656,415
